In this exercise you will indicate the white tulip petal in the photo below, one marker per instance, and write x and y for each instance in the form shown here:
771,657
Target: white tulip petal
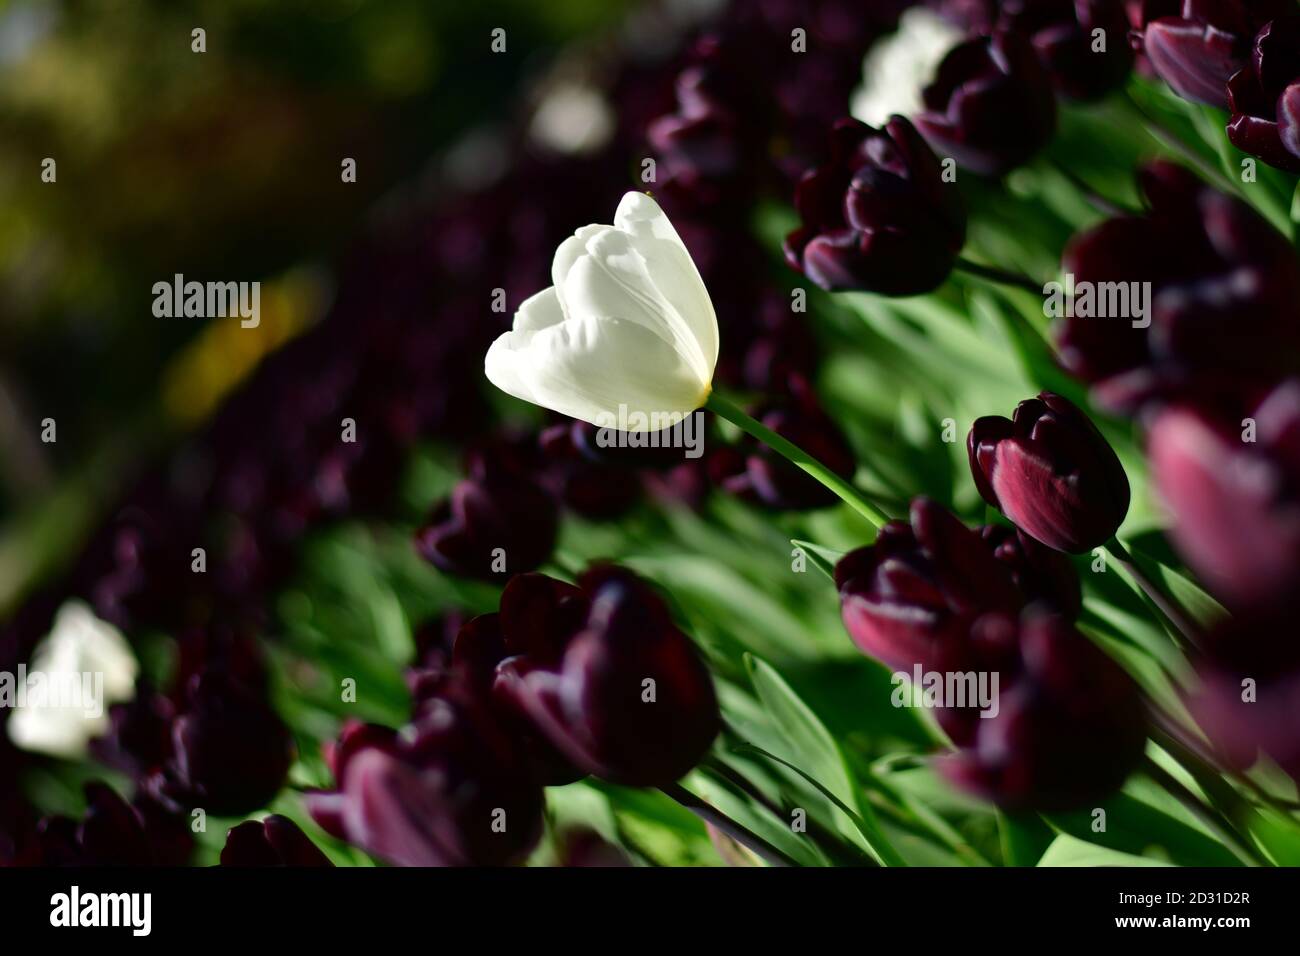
627,329
669,261
79,649
588,369
570,251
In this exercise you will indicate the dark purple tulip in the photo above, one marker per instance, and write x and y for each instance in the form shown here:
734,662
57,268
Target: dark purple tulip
449,791
916,590
434,640
782,356
593,488
1198,51
877,215
1051,472
114,833
629,699
1264,96
139,735
275,841
1235,504
230,749
990,106
1070,725
148,581
753,472
496,518
1061,32
1248,698
1041,573
1225,298
538,616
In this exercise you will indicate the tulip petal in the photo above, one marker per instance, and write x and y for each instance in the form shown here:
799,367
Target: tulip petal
588,368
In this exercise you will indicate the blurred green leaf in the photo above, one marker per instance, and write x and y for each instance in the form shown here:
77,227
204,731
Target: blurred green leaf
814,755
1068,851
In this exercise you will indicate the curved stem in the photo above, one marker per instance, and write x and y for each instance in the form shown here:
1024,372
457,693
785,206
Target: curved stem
863,505
1000,276
1183,623
716,818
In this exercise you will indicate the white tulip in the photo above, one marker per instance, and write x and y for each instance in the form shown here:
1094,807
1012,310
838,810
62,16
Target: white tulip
79,668
899,66
626,335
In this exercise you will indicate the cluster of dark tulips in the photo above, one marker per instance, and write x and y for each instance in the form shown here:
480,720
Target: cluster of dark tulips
594,678
562,682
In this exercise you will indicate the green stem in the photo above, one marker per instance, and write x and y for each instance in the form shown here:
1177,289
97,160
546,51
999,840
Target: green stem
999,276
1184,626
725,409
711,815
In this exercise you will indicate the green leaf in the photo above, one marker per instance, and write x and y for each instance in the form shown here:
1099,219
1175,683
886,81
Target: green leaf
814,755
1068,851
1279,835
870,831
1025,837
1136,827
1155,558
823,559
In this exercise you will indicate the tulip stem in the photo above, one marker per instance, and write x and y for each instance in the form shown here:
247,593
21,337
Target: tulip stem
732,413
1185,628
719,820
1000,276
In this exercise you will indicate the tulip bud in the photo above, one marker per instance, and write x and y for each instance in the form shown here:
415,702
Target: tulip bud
1249,682
1264,96
628,699
990,106
1069,726
1235,504
1051,472
447,792
230,750
1198,52
1042,574
918,588
628,326
1063,34
593,489
1223,306
113,833
539,614
275,841
497,522
878,215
